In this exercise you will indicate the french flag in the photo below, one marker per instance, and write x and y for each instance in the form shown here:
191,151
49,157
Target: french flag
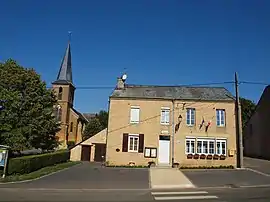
201,125
207,126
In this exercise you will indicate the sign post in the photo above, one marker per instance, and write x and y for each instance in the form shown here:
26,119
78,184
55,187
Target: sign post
4,158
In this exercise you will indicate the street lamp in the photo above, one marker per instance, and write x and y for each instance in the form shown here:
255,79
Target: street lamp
180,118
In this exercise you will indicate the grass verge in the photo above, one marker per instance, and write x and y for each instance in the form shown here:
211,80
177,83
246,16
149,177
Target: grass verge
39,173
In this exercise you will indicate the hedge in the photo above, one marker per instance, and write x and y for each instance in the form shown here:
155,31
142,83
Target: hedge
28,164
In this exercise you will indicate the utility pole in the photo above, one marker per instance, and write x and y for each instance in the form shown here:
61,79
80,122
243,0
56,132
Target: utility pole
238,125
173,132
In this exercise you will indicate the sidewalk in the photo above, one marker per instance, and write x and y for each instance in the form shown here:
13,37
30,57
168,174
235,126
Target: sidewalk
168,178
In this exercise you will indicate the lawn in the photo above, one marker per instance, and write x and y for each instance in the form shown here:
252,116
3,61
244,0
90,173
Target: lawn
39,173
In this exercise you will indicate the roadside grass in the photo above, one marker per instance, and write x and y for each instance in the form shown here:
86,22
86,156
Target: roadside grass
38,173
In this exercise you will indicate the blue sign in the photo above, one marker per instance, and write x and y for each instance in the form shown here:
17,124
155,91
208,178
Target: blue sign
3,153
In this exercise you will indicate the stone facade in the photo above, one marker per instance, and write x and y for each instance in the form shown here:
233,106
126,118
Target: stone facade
99,138
150,129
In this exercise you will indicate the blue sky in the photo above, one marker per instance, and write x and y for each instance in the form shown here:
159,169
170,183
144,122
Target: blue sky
169,42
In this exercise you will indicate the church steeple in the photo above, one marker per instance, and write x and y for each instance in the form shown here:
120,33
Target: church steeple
63,85
65,71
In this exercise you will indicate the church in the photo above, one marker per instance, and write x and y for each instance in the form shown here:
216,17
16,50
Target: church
72,122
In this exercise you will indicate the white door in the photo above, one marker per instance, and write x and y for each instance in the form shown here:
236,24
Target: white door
164,152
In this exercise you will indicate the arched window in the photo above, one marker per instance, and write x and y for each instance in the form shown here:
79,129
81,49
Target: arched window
60,93
71,126
71,95
59,113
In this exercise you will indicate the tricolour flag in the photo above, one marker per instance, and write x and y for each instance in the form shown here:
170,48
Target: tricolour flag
207,126
201,125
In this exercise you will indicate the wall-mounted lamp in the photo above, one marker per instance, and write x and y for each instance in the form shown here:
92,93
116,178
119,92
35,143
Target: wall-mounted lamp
180,118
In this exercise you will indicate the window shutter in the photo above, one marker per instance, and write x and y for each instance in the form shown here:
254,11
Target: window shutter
134,115
141,143
125,142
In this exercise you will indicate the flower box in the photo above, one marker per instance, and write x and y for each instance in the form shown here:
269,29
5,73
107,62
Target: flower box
196,156
216,157
209,156
222,157
189,156
202,156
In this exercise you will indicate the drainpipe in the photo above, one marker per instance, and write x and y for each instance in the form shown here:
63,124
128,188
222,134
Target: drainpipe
173,132
107,132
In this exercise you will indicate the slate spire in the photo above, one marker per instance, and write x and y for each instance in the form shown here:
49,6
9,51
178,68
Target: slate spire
65,71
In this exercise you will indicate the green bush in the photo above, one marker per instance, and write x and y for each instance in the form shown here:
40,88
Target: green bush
27,164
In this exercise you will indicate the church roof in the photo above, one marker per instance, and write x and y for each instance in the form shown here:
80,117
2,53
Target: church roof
65,71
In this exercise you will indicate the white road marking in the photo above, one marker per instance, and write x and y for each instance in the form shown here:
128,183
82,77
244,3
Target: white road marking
179,193
184,197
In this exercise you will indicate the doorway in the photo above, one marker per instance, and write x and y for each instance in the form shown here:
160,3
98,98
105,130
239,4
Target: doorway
86,153
100,152
164,150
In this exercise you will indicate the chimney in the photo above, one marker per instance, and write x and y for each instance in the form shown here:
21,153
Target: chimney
120,83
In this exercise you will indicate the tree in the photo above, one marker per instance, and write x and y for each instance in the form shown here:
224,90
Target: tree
247,110
27,120
102,116
96,124
93,127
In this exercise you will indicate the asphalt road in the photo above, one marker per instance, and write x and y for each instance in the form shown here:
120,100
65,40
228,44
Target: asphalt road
262,166
259,194
90,176
226,178
90,182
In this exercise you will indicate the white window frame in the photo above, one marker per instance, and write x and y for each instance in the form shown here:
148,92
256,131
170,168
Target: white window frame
220,141
189,112
203,140
133,136
165,112
132,108
220,112
190,140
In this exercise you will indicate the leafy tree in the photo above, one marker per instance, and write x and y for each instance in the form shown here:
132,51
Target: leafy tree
247,109
93,127
27,120
96,124
103,118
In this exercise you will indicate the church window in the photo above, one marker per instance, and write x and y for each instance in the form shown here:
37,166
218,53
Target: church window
60,93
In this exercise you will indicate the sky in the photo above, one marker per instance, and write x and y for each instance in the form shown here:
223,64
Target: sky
168,42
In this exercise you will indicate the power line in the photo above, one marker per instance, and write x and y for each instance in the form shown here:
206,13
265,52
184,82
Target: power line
208,84
183,85
253,83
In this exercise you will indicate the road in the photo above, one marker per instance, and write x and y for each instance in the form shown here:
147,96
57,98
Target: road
90,182
259,194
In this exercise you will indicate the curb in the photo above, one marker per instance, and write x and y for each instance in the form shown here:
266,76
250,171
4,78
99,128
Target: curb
74,190
209,169
30,180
